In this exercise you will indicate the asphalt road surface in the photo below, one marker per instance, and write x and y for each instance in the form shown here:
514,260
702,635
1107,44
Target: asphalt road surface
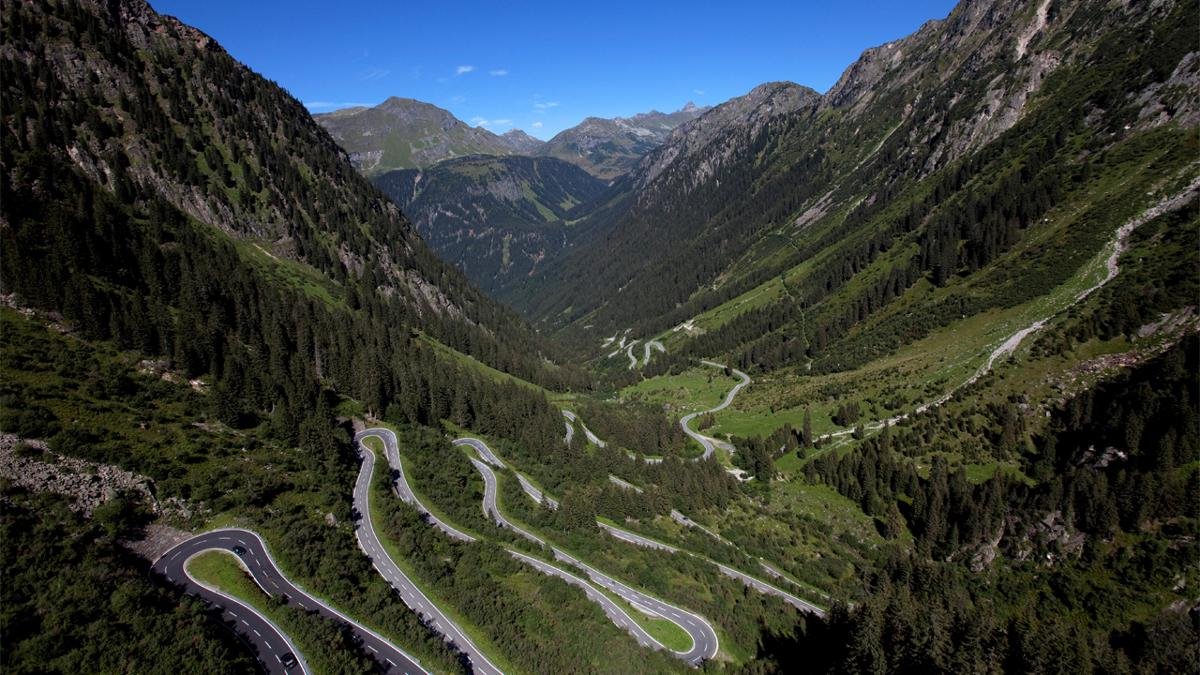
704,639
636,539
652,344
688,522
534,493
707,443
412,595
624,484
400,484
269,642
368,540
587,432
763,587
753,582
631,537
485,453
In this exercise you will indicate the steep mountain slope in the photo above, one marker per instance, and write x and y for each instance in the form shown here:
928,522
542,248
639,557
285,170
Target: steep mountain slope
878,164
610,147
158,193
403,133
650,219
494,217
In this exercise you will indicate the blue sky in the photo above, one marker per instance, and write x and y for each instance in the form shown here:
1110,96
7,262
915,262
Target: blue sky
544,66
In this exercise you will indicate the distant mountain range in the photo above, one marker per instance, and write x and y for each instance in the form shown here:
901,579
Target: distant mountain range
403,133
495,205
608,148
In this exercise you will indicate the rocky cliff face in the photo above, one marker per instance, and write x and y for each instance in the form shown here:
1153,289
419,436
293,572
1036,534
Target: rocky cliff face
720,132
958,83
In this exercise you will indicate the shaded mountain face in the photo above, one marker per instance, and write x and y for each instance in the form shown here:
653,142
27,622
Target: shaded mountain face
929,159
494,217
157,193
403,133
608,148
615,242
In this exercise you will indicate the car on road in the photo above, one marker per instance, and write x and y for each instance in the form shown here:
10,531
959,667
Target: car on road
239,551
289,660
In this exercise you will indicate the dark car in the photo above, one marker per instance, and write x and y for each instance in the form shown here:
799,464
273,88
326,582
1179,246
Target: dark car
288,660
239,550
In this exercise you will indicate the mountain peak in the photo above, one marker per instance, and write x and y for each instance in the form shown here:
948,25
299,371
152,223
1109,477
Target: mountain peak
521,142
688,107
404,133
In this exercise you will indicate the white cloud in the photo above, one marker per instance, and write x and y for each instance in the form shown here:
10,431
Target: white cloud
536,125
463,70
485,123
499,72
375,74
545,105
334,105
699,92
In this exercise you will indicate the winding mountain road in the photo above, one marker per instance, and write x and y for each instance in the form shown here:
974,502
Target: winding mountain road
368,540
688,522
629,353
571,417
708,443
624,484
1116,246
633,537
534,493
485,452
270,642
704,638
652,344
753,582
392,451
413,596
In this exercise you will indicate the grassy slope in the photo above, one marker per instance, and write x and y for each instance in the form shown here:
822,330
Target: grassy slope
662,630
922,370
527,585
471,363
222,570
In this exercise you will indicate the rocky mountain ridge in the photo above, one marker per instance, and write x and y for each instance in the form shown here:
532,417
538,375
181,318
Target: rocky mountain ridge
729,194
608,148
